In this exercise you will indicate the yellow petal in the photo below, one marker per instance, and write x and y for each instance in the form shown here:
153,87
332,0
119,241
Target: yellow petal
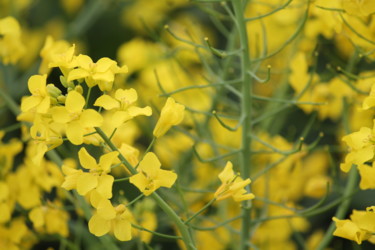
74,102
76,74
136,111
91,118
86,182
106,210
36,215
166,178
120,117
4,213
37,85
84,61
106,160
44,105
86,160
104,187
74,132
150,164
171,114
127,96
367,174
104,64
227,174
99,226
122,229
60,114
140,181
107,102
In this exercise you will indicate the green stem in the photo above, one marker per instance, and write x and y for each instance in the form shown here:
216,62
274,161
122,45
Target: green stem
246,112
162,204
200,211
342,209
186,237
135,200
12,105
156,233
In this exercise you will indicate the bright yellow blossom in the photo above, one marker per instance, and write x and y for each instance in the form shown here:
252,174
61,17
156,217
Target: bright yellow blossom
171,114
40,100
97,179
362,147
360,227
101,73
108,218
123,105
150,177
232,185
75,118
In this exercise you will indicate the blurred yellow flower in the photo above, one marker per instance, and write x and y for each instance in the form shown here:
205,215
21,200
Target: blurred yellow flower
11,47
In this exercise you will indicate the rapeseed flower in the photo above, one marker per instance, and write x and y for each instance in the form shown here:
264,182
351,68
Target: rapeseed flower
123,105
172,114
232,185
108,218
40,99
97,179
101,73
150,177
75,118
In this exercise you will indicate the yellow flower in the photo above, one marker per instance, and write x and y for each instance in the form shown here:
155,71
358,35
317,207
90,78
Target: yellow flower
51,51
349,230
232,185
362,147
101,73
123,104
50,220
108,218
97,179
369,101
359,7
40,100
150,176
64,58
171,114
75,118
367,174
11,46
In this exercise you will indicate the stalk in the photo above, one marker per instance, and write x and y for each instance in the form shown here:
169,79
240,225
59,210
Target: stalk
246,102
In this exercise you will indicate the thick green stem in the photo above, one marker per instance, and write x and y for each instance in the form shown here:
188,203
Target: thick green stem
186,237
246,103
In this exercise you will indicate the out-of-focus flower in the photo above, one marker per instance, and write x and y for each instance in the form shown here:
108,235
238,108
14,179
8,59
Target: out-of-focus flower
11,47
